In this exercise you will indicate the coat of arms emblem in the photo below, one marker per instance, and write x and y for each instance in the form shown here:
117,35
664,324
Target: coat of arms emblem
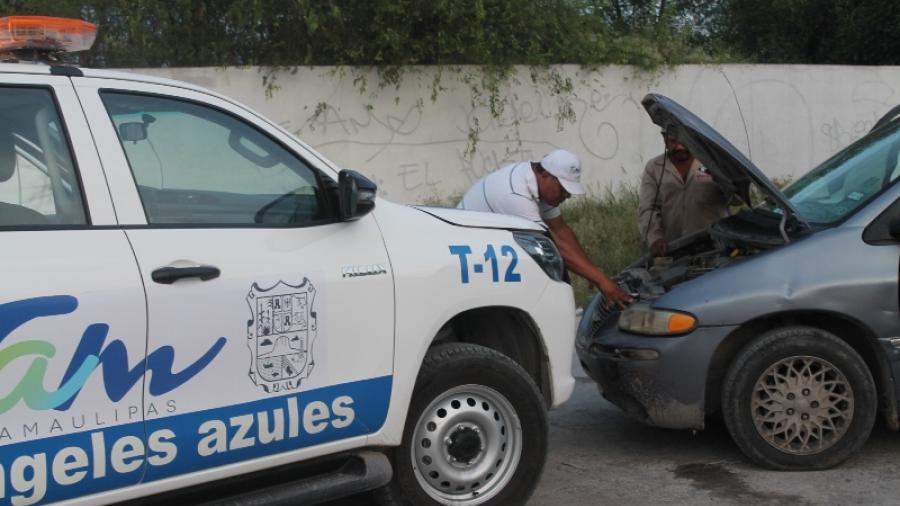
281,334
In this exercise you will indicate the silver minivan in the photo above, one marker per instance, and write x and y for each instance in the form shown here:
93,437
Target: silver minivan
782,316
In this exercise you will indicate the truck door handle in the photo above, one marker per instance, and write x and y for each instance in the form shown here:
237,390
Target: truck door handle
169,275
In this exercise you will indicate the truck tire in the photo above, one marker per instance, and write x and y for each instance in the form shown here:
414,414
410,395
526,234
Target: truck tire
476,433
799,398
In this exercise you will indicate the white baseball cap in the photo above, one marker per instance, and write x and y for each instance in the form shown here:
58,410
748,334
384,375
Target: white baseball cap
566,166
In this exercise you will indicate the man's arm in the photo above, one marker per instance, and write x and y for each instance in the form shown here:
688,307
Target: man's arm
649,215
577,260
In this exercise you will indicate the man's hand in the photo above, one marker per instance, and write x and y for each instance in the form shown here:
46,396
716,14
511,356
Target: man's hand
577,261
659,247
615,296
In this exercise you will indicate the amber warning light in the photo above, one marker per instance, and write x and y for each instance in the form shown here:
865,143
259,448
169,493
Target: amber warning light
46,33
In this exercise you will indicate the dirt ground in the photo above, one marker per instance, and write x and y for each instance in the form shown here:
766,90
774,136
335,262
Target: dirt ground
599,456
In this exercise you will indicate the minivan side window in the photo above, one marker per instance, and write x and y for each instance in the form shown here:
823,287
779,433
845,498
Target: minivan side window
39,186
197,165
879,231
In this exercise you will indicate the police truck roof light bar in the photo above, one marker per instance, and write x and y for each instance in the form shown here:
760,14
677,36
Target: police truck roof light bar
46,34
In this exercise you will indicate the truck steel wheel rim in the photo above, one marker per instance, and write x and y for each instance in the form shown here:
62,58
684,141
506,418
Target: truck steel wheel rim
467,445
802,405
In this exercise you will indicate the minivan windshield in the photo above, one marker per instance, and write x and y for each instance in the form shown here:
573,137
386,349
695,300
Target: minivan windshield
849,179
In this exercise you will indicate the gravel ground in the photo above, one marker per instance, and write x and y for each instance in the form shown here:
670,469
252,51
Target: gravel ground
599,456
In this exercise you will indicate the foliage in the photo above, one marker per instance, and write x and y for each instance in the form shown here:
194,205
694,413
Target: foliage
390,35
386,33
813,31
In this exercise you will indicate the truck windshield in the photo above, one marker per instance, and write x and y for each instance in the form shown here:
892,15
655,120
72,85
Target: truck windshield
849,179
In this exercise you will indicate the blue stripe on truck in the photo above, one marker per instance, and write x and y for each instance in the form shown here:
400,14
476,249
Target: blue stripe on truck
66,466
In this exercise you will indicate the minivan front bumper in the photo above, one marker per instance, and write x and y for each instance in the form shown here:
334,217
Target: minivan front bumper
659,381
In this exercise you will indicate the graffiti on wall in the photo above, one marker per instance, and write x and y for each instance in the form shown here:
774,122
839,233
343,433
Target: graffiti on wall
785,118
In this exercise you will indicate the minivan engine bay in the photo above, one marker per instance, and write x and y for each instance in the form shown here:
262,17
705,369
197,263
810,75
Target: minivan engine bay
732,239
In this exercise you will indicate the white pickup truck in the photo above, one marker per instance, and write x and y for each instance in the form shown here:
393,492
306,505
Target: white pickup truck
196,307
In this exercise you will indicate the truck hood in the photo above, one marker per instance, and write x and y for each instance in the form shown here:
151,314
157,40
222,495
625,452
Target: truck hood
728,166
477,219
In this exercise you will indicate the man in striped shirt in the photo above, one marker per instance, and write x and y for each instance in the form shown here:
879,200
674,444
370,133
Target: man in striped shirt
534,191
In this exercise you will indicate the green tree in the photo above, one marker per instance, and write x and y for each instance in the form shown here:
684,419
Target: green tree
813,31
378,32
867,33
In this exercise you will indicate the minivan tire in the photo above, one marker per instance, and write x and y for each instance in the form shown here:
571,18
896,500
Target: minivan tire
475,435
805,378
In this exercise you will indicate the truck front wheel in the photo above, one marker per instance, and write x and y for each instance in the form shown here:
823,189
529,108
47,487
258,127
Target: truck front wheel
476,433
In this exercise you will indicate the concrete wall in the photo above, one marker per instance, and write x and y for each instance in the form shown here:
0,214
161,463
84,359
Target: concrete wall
786,118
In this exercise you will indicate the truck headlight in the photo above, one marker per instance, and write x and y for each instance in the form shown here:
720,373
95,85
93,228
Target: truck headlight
642,319
543,251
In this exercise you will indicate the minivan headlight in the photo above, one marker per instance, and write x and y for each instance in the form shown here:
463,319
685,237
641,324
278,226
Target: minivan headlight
642,319
543,251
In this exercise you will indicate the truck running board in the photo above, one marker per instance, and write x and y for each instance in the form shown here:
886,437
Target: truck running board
361,472
305,483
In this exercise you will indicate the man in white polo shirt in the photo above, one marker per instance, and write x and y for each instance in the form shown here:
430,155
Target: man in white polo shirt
534,191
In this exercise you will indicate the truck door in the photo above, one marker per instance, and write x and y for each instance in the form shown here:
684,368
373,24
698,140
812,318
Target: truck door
72,308
274,350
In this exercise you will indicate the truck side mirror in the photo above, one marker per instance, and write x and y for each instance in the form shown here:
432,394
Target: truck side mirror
132,132
356,195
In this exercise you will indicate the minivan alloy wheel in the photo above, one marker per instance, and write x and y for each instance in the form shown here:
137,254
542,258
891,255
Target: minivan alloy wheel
802,405
799,398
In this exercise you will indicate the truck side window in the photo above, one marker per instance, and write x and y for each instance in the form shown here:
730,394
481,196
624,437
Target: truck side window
194,164
39,186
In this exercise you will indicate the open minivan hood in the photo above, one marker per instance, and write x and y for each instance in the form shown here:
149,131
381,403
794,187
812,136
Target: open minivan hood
728,166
